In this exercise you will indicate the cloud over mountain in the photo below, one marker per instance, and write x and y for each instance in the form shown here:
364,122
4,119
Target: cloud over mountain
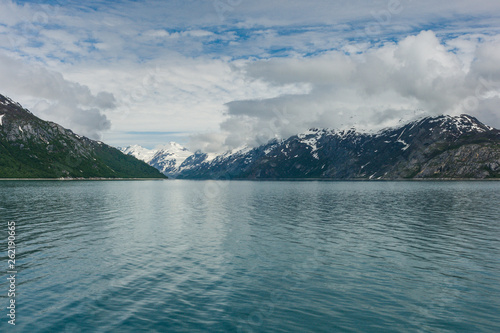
371,88
234,72
72,104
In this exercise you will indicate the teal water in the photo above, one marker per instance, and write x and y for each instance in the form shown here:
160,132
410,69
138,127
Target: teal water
187,256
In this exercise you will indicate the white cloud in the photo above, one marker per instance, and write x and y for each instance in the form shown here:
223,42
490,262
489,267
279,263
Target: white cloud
54,98
177,94
161,33
192,66
378,88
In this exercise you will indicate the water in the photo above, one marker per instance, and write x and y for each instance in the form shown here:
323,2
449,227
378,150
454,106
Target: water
187,256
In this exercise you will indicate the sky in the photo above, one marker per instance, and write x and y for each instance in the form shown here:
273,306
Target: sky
216,75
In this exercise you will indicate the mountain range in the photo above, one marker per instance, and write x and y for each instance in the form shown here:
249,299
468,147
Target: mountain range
451,147
33,148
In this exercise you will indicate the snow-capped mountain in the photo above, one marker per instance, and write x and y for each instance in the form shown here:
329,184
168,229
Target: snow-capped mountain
139,152
432,147
167,158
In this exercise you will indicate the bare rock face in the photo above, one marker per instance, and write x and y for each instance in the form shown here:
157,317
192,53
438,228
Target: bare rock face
468,161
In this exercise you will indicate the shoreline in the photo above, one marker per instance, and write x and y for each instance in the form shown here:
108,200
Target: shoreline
262,180
78,179
342,180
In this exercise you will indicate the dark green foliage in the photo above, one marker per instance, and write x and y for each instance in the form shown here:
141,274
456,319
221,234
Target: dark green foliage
123,165
33,148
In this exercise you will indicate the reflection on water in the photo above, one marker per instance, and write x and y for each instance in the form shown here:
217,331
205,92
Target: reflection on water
183,256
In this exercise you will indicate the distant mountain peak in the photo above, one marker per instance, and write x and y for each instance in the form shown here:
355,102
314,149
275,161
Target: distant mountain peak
139,152
167,158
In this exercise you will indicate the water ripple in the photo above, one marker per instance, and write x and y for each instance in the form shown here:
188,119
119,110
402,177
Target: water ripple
183,256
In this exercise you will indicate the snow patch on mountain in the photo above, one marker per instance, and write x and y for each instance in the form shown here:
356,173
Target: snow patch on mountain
171,152
308,152
406,146
140,153
6,101
167,158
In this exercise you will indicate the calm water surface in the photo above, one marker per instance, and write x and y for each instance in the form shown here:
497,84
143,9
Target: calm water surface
186,256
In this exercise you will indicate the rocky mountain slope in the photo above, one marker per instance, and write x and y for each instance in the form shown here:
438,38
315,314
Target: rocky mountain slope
33,148
440,147
168,158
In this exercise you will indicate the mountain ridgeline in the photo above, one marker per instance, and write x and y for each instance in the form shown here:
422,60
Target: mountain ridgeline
444,147
33,148
167,158
450,147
